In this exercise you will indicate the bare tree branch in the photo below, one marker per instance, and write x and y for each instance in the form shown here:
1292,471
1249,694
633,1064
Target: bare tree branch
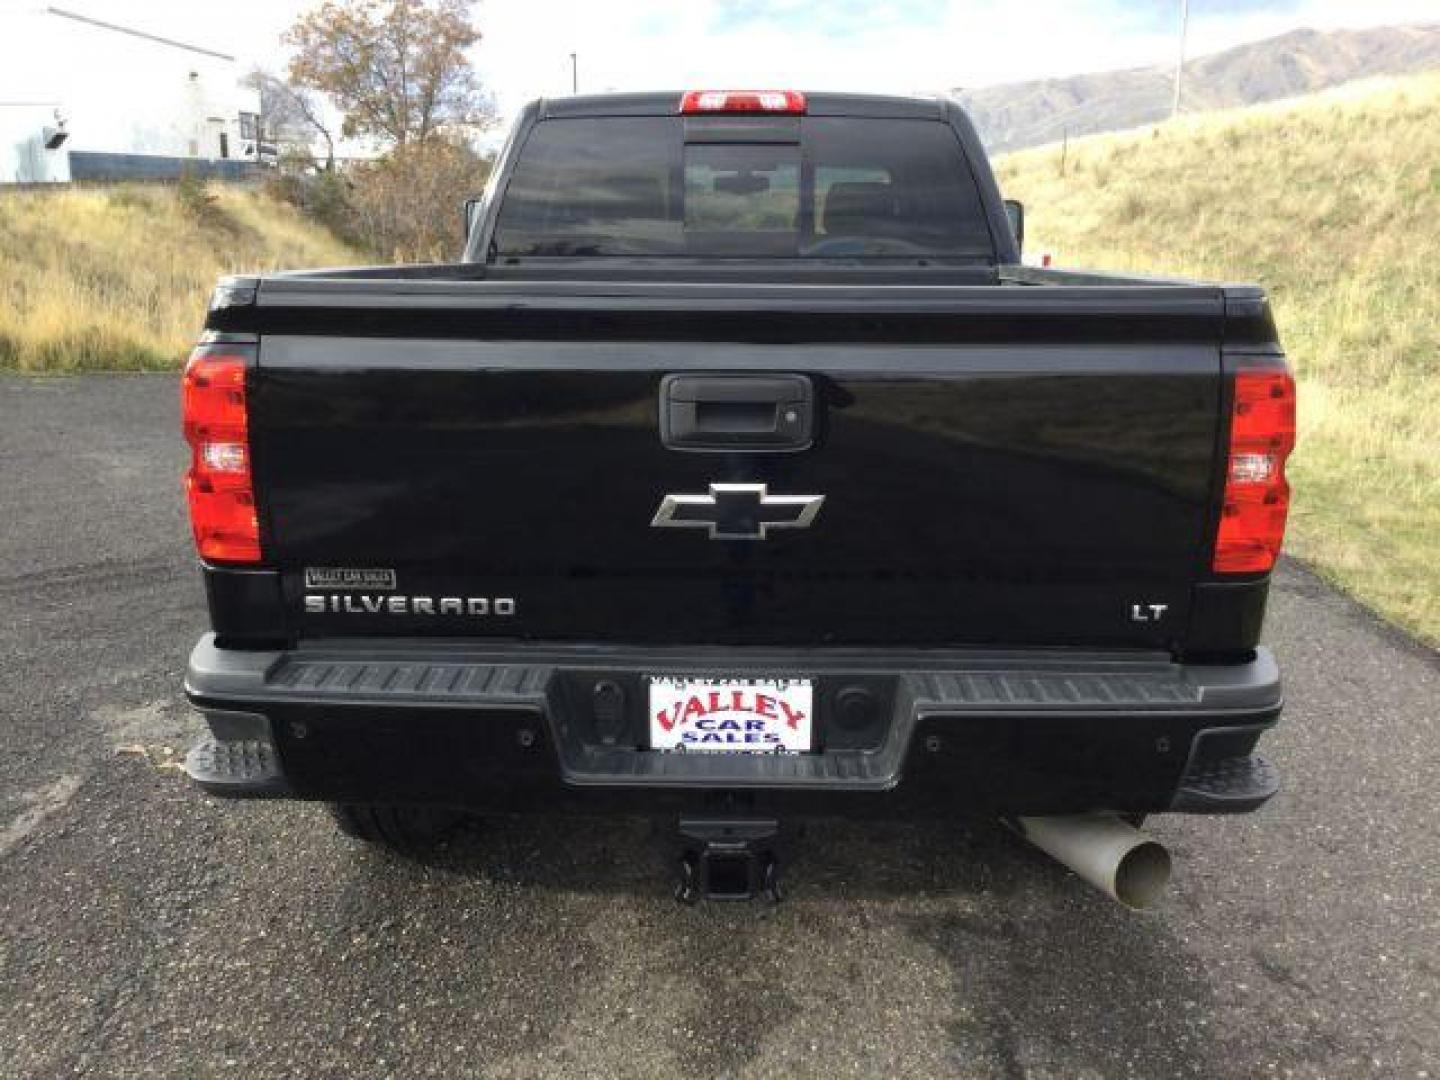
290,115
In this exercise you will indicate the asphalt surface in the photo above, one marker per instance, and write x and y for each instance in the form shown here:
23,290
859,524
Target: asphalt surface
148,930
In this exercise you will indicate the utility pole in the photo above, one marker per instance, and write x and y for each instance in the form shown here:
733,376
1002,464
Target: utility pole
1180,60
574,74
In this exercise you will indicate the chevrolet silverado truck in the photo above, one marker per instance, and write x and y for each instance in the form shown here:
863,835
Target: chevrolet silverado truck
740,474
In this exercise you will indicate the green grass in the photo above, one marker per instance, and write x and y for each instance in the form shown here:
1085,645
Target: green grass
117,278
1333,204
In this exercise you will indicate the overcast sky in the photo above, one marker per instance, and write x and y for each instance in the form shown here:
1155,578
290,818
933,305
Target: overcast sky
874,45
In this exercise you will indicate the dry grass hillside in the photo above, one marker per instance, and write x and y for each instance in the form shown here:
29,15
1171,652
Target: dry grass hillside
1333,203
118,278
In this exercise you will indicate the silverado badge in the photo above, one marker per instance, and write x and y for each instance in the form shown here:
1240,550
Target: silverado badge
737,511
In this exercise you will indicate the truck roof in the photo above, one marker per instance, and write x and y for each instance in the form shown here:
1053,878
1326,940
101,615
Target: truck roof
659,103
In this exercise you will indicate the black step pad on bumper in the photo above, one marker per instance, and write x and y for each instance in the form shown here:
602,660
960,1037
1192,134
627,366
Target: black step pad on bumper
1233,785
381,672
248,768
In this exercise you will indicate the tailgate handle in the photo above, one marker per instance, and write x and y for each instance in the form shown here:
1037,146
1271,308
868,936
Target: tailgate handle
737,412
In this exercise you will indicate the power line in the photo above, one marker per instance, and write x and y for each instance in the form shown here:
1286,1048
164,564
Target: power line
138,33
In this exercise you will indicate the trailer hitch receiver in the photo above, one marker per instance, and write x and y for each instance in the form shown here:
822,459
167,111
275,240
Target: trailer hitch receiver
728,859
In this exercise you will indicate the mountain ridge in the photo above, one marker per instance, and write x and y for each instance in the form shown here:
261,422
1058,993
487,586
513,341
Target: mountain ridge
1016,115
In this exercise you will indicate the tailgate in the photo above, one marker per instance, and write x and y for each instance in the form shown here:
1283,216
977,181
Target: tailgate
986,465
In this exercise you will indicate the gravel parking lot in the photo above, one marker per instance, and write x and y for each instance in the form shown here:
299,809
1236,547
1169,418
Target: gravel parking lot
148,930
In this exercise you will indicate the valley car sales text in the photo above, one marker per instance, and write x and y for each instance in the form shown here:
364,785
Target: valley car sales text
712,719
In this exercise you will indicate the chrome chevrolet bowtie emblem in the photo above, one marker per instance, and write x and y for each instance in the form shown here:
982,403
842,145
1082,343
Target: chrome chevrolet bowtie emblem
737,511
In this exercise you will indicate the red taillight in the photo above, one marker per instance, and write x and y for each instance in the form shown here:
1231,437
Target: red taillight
1262,434
218,483
743,101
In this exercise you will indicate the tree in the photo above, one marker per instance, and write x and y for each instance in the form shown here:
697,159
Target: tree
406,205
291,115
396,69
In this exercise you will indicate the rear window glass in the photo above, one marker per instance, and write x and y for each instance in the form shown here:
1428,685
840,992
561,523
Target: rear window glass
848,188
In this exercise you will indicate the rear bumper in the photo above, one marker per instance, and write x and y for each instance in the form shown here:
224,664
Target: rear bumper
515,727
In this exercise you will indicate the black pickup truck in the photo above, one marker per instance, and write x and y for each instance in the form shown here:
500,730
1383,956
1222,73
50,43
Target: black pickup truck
740,473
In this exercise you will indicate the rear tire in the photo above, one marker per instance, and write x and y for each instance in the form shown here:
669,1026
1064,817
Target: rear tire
409,830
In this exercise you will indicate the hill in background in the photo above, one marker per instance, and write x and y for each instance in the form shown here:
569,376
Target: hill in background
1031,113
117,278
1333,204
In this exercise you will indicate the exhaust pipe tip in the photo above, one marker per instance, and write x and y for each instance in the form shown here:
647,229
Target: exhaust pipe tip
1124,863
1143,874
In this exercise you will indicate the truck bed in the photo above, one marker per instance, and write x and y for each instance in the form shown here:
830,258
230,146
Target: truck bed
1017,464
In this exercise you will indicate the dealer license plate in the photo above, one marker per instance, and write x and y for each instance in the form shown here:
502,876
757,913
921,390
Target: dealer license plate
734,716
